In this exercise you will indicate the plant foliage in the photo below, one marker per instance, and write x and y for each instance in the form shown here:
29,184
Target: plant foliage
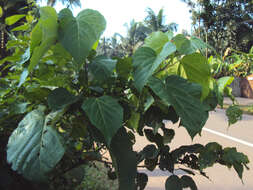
91,103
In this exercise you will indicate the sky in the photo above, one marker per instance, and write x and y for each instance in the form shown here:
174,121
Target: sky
117,12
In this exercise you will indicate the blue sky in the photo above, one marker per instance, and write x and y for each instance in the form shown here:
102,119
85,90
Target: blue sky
117,12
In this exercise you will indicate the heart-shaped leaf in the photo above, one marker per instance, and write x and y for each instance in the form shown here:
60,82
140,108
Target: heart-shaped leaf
79,34
106,114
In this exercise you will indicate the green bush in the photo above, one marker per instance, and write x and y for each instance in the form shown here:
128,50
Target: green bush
62,104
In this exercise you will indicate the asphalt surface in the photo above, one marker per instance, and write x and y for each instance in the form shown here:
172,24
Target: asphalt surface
241,101
239,135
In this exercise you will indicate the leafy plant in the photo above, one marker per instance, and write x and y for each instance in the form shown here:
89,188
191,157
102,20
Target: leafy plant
74,103
241,64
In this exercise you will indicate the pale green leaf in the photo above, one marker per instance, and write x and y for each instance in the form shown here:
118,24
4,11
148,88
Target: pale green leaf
1,12
133,122
43,35
222,83
197,70
34,148
23,77
23,27
156,41
183,45
13,19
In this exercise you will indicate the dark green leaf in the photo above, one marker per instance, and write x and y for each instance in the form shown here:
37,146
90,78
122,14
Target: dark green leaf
156,138
236,159
168,135
151,164
188,108
142,180
145,62
60,98
126,160
78,35
102,68
209,155
187,181
36,93
195,148
173,183
106,114
234,114
124,67
150,151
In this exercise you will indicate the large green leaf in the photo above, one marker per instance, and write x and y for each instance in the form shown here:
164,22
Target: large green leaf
197,70
106,114
126,160
102,68
60,98
178,92
34,148
78,35
43,35
145,62
156,41
173,183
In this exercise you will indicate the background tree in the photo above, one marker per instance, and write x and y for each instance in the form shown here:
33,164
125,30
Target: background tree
223,23
67,2
121,46
157,22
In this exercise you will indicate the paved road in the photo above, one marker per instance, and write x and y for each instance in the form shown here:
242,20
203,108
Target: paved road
239,135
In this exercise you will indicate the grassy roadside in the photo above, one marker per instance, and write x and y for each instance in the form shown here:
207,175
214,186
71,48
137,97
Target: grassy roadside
247,109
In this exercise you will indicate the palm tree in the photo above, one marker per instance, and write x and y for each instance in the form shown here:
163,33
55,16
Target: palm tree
68,2
121,46
157,22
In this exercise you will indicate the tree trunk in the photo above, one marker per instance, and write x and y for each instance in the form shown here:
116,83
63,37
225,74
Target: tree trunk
51,2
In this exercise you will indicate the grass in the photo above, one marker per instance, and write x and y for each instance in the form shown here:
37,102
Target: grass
247,109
